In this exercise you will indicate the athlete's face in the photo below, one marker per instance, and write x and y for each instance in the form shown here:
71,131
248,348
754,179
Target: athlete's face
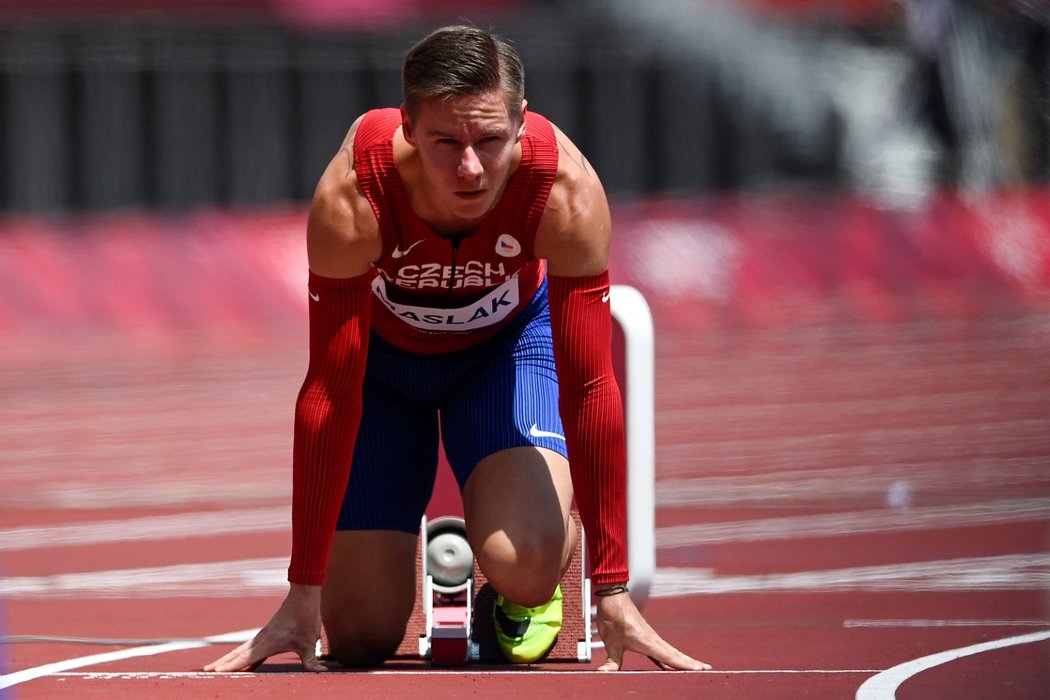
466,145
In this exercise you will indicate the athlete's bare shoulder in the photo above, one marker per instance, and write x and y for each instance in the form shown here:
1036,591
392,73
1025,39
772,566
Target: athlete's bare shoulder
342,234
575,228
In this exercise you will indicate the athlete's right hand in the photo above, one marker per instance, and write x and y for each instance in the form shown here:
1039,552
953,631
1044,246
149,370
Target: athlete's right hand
296,626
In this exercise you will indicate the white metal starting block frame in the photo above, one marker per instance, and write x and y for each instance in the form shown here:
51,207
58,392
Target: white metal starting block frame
631,312
448,639
448,635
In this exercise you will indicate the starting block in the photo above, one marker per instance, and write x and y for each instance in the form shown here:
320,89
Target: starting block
453,625
446,570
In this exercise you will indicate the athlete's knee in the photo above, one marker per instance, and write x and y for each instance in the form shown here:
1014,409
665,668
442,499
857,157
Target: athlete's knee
529,585
527,568
364,646
365,633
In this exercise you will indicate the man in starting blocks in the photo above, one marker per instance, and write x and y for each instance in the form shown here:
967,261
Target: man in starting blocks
458,252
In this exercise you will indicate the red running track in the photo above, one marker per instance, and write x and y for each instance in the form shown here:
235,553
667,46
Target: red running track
832,502
853,501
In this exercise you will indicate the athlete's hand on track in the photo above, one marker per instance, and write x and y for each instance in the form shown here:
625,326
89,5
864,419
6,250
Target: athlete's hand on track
622,629
296,626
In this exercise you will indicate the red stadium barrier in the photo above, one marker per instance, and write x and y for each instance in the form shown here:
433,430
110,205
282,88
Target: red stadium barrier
753,261
348,13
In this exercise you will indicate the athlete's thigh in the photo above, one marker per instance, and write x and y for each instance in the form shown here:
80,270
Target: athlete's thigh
508,399
368,594
518,493
517,508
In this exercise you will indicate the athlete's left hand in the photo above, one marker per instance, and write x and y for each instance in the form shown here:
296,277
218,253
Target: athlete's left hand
622,629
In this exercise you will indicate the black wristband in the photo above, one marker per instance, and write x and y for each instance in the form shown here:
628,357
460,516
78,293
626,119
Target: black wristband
611,590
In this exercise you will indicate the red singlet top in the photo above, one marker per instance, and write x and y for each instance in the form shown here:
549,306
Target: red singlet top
435,295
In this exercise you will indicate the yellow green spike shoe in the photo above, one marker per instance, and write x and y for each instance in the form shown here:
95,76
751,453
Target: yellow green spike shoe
524,635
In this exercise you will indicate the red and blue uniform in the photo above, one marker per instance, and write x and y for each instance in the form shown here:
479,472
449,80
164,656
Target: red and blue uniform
469,329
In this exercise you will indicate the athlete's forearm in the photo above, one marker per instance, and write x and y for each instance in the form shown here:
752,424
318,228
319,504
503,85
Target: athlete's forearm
592,413
327,415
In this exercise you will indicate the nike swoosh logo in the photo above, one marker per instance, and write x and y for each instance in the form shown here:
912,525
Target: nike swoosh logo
315,297
397,253
536,432
605,297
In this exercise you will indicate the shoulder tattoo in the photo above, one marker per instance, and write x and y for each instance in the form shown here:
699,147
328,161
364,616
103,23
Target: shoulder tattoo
349,160
576,157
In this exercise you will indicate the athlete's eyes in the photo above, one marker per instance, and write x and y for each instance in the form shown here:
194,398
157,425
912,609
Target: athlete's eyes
490,143
483,141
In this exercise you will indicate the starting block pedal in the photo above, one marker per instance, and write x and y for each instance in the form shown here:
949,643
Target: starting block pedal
454,625
449,626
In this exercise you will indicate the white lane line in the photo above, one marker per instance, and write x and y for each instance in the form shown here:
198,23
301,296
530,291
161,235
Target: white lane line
1002,573
163,527
82,491
853,624
203,675
883,686
878,479
277,519
246,577
846,524
10,679
267,577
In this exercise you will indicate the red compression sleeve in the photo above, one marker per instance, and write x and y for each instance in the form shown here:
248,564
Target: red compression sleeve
327,415
592,414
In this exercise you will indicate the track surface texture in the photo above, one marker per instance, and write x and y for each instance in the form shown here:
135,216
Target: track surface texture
853,501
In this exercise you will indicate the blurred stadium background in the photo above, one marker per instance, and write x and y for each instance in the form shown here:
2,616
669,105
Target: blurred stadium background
876,170
176,104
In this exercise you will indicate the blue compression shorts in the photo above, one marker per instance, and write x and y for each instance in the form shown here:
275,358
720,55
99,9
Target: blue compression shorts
498,394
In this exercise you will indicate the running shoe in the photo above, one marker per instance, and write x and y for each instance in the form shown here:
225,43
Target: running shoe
526,634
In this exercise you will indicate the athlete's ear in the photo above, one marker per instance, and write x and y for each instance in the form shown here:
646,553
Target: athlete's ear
406,126
521,127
